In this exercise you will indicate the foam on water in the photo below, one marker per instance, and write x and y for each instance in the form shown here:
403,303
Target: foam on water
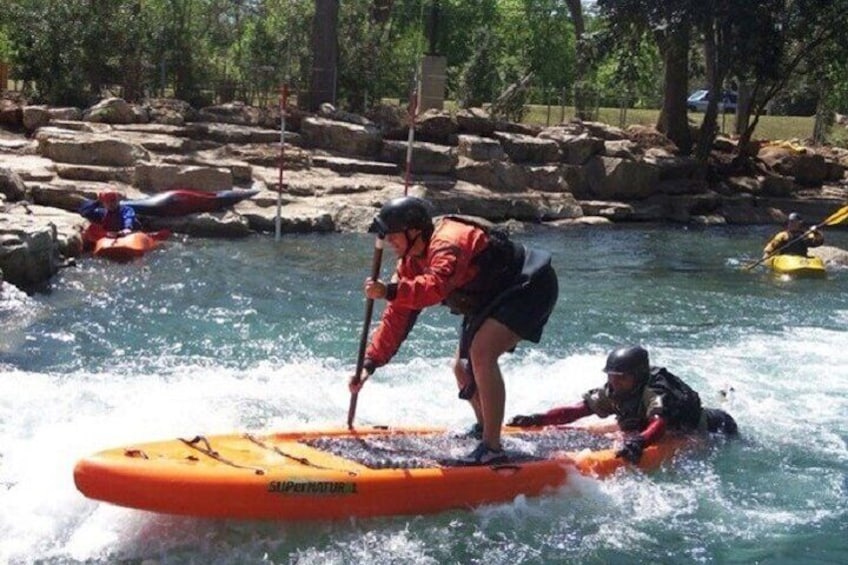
43,514
778,491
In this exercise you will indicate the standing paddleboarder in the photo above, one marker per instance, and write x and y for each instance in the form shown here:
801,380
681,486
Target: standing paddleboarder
504,291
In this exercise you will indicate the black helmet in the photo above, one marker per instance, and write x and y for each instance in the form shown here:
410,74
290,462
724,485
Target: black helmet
795,217
631,360
401,214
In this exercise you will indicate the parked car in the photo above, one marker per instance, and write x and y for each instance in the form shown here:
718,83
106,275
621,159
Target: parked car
698,100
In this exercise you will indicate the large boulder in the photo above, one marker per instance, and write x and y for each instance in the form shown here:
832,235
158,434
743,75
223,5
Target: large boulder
225,223
475,200
158,177
479,148
88,148
435,126
807,167
70,113
575,148
831,255
212,134
343,137
11,185
611,178
296,217
68,226
648,137
528,149
170,111
237,113
671,166
110,111
604,131
500,176
390,119
427,158
475,121
36,117
11,114
29,254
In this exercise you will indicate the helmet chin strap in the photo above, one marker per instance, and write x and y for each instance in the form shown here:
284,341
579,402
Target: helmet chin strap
410,241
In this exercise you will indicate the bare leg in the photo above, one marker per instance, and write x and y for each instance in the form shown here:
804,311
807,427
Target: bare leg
492,340
463,378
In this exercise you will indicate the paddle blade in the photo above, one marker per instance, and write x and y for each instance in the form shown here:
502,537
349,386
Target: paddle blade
837,217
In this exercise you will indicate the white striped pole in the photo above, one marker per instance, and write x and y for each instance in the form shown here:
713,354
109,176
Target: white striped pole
284,91
413,111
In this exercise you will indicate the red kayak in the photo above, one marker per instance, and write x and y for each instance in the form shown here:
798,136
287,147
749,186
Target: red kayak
187,201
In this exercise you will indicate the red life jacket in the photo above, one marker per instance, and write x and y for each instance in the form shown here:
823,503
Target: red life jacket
464,266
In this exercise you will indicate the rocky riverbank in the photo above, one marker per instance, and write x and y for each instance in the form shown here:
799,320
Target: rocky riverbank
339,167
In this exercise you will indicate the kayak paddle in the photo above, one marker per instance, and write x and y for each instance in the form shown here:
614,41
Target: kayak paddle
363,339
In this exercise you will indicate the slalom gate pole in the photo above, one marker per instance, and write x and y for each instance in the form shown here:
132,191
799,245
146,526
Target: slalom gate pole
284,92
414,96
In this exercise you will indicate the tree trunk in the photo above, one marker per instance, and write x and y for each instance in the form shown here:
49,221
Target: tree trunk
709,126
744,100
583,91
322,87
824,114
575,8
673,120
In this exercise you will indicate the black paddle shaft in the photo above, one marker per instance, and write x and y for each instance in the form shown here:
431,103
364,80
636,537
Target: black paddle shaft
363,338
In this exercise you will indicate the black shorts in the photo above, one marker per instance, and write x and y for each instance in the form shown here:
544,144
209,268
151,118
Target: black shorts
525,310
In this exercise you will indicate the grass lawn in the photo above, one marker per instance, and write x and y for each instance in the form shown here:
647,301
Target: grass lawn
768,127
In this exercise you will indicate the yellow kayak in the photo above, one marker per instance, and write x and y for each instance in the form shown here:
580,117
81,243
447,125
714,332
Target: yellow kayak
797,266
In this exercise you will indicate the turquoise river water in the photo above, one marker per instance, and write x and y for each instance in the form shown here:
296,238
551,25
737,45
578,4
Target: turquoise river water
215,336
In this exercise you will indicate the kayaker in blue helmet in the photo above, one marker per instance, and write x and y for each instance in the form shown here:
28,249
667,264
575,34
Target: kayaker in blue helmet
645,400
504,291
793,240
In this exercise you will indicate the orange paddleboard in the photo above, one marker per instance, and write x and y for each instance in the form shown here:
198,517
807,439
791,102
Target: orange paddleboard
341,473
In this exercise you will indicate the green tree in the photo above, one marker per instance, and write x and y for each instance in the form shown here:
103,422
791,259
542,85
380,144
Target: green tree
790,39
542,33
70,49
478,81
627,76
366,37
5,45
669,25
275,47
